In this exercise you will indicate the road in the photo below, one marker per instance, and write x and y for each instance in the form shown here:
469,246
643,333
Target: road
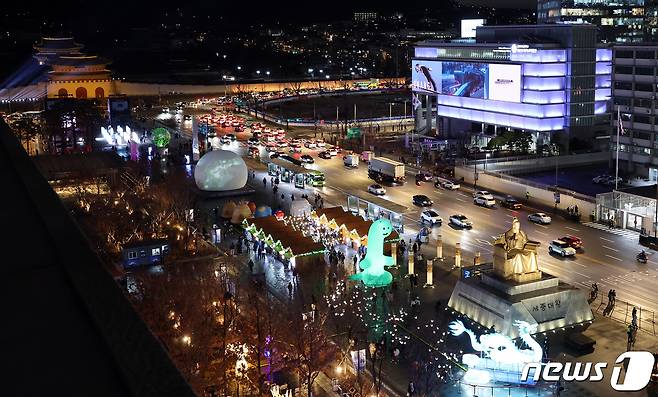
607,258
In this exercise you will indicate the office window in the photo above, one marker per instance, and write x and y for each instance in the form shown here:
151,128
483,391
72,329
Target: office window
624,54
155,252
644,87
642,135
643,70
132,254
645,54
642,102
623,85
621,101
638,118
624,69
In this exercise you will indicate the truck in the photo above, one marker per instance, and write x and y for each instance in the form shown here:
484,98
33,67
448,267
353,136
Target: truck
351,160
384,170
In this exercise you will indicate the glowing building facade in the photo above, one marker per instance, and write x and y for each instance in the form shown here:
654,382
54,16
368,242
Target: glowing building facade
620,21
541,79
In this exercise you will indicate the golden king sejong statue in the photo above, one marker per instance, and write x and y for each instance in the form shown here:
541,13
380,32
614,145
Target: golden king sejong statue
515,256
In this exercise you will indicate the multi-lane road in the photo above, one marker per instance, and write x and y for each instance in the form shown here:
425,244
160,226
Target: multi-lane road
608,257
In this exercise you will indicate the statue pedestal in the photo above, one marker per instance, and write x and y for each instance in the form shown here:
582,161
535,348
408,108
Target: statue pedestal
537,298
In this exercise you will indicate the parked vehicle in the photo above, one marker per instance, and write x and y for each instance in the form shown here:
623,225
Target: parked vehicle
561,248
351,160
324,155
432,217
307,159
461,221
376,189
600,178
540,217
382,169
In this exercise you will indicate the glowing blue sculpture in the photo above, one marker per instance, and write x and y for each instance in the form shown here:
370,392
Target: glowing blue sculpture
220,170
503,360
374,274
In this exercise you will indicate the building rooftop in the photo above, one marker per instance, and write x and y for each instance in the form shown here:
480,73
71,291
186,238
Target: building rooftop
69,329
650,191
79,60
58,43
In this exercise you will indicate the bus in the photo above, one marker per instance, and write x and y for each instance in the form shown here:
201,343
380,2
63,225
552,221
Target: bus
316,178
367,85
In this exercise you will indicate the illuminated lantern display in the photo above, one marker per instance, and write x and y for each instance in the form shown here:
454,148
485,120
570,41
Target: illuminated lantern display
499,358
374,274
220,170
161,137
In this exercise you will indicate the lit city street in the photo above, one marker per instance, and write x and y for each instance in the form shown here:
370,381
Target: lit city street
338,200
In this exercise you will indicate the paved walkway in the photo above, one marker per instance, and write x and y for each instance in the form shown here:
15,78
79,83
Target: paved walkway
629,234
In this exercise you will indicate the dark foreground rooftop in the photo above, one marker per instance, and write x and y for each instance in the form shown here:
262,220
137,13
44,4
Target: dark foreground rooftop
67,329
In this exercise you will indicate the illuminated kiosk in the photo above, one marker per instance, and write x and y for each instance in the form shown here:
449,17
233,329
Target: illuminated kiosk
518,293
221,173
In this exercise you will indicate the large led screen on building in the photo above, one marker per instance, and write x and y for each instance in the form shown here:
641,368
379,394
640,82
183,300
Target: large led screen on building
464,79
501,82
504,82
426,76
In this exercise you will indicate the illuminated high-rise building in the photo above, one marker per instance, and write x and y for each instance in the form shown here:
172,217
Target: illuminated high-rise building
620,21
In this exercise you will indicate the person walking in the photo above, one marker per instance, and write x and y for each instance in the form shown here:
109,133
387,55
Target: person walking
290,288
264,182
411,389
251,266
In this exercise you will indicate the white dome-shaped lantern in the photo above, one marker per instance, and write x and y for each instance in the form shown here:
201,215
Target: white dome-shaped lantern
220,170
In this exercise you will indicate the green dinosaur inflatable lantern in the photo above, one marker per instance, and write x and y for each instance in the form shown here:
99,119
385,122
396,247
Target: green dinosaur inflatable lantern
161,137
374,274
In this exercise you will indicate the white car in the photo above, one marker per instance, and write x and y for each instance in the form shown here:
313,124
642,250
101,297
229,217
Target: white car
333,152
376,189
450,185
310,145
225,140
460,220
485,201
561,248
432,217
539,217
321,143
600,178
483,193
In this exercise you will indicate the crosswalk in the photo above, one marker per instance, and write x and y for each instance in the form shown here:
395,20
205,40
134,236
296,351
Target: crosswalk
629,234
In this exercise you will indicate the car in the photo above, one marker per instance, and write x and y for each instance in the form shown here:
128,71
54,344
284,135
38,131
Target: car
332,152
485,201
253,141
271,148
423,176
187,117
422,200
460,220
539,217
324,155
611,181
310,145
224,140
282,144
376,189
447,185
432,217
230,136
276,154
321,144
307,159
561,248
254,151
573,241
290,159
295,149
601,178
483,193
511,203
165,110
